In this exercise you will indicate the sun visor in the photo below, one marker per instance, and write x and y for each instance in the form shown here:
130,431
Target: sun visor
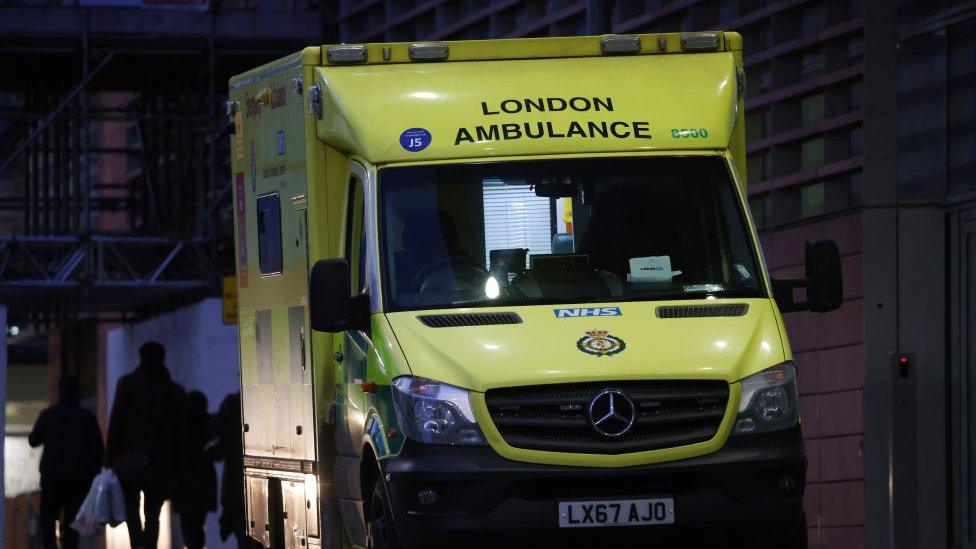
432,111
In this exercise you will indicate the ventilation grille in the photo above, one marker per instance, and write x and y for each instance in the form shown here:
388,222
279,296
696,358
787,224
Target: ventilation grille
556,418
702,311
469,319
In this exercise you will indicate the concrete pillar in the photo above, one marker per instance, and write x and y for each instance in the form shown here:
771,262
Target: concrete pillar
3,415
879,224
904,312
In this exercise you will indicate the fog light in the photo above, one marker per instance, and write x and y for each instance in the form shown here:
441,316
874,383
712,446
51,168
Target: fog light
427,497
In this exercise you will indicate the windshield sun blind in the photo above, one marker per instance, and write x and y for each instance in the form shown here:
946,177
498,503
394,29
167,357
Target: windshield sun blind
585,230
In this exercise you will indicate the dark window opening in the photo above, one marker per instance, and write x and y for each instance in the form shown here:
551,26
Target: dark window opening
269,233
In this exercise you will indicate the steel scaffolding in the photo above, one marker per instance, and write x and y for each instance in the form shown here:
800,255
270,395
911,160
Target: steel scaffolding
114,170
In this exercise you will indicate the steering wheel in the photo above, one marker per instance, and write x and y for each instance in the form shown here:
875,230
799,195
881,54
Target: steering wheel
466,266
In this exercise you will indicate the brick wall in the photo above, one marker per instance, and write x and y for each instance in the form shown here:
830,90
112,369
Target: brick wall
829,354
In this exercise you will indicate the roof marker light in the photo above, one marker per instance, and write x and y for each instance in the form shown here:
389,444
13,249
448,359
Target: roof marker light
347,54
428,51
620,43
703,41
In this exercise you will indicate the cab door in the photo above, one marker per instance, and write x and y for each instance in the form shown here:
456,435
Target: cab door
352,348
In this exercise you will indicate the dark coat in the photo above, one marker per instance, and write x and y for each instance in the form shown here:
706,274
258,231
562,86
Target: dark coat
143,430
197,479
72,442
230,449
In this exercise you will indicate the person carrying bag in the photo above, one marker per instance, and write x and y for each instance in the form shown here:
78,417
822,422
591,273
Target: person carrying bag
72,453
143,446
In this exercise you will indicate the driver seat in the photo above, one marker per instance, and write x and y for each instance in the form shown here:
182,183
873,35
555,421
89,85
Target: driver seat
428,238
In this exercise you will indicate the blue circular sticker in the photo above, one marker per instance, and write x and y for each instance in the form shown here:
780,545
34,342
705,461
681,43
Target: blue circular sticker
415,139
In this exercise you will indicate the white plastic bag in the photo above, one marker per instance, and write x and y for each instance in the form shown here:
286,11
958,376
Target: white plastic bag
103,505
103,501
85,522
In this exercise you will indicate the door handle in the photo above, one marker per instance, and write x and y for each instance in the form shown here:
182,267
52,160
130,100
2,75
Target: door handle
338,357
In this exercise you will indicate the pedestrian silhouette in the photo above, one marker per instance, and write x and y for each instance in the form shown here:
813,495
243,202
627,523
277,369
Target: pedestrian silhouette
70,460
143,443
196,490
229,448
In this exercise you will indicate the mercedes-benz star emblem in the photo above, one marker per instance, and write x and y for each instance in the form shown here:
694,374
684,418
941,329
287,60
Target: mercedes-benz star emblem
612,413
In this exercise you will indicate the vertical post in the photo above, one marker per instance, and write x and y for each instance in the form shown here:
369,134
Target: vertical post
879,226
920,453
85,127
3,418
57,129
204,225
28,171
44,205
74,180
598,16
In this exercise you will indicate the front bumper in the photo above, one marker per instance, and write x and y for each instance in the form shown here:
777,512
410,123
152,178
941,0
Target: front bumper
752,479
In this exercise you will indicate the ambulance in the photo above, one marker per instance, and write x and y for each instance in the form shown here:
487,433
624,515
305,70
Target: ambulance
511,288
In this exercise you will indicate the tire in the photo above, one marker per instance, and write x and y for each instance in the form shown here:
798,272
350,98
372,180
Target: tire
380,531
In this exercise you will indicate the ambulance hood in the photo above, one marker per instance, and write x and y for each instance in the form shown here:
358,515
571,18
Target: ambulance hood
559,344
432,111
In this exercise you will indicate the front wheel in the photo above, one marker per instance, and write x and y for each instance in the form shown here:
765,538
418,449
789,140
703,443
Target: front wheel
380,532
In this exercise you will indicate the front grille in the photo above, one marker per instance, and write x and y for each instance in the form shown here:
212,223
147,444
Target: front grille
556,417
702,311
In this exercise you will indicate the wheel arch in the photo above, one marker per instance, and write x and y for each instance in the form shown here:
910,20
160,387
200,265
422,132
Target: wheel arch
369,475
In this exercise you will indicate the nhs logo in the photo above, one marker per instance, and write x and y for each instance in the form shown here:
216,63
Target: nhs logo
587,311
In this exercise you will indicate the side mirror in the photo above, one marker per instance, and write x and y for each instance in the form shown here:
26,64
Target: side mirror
332,308
823,282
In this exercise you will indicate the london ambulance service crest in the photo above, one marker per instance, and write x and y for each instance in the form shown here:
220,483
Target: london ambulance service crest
600,343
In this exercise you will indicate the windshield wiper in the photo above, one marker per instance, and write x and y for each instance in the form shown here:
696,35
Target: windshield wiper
703,294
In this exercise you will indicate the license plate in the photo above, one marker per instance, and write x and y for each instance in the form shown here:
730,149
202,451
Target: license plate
628,512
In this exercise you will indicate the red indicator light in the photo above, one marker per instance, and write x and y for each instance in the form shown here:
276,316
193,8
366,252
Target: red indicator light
904,361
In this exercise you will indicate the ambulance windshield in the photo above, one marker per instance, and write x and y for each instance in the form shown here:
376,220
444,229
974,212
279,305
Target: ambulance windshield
563,231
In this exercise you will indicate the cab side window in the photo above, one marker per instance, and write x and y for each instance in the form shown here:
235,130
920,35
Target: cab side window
269,233
355,245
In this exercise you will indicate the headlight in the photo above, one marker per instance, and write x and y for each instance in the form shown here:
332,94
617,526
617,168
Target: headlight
769,401
435,412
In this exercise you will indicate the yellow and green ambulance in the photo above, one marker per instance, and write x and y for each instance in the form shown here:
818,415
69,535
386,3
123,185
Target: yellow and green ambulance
511,287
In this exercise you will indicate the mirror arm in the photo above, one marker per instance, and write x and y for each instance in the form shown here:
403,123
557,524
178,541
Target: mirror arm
823,281
783,293
360,317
